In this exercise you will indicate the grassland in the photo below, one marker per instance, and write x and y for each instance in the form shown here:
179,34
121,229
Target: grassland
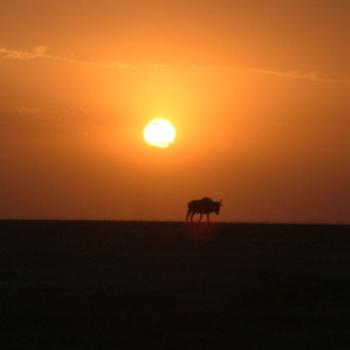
153,285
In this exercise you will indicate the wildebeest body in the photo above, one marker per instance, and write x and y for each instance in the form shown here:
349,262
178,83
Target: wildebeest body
202,206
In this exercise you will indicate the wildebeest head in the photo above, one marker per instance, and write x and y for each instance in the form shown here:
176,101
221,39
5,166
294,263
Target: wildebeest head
217,206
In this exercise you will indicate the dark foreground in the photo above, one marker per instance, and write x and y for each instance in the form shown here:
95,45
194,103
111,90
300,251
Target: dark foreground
93,285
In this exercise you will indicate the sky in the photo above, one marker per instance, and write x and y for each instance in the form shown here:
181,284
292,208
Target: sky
259,92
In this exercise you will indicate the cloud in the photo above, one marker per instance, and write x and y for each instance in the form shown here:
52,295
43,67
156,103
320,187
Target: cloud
37,52
41,52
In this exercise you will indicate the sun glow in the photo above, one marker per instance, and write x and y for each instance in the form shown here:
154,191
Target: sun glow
160,133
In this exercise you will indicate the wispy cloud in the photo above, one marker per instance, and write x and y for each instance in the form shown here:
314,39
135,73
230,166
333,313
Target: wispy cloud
41,52
37,52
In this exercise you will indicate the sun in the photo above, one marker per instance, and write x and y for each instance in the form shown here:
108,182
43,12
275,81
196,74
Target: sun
159,132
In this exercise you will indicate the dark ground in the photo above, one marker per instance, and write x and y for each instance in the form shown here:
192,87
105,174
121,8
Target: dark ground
120,285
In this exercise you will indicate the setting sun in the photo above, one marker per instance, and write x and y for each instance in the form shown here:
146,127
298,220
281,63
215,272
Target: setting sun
159,133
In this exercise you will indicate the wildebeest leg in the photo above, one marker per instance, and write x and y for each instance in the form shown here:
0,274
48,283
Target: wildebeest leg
208,217
191,219
188,214
200,217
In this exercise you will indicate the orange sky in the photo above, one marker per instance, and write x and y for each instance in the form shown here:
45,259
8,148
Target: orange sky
258,91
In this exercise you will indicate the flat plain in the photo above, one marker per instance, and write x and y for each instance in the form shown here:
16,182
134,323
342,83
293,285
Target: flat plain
164,285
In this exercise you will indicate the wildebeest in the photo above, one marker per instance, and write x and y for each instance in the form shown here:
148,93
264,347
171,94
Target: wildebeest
202,206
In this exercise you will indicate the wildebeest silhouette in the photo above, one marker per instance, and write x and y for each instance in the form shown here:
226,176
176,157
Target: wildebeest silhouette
203,206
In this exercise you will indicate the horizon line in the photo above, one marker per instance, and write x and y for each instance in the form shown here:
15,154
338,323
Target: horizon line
306,223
